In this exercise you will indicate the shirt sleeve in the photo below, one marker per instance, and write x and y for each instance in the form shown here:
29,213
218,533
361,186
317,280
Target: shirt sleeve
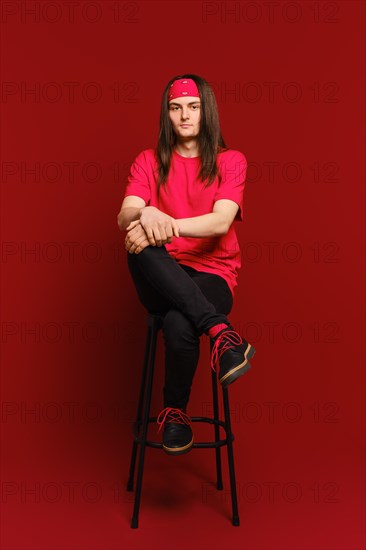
138,180
233,169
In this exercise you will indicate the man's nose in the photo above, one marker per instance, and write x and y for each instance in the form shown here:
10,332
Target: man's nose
185,112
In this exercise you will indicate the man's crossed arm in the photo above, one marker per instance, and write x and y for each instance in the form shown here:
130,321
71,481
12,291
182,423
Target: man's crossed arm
147,225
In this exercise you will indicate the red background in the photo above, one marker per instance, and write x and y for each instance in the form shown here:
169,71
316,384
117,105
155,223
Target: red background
289,82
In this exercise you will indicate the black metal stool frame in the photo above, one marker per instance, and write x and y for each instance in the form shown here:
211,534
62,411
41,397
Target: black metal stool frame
140,427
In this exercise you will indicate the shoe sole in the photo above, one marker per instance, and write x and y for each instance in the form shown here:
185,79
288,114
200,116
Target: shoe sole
239,370
178,450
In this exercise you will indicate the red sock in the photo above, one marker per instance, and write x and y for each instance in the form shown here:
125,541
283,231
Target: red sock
215,329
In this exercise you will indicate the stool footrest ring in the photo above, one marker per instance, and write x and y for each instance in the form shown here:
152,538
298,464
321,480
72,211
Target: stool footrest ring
198,445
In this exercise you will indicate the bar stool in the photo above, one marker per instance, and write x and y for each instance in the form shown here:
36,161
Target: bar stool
140,426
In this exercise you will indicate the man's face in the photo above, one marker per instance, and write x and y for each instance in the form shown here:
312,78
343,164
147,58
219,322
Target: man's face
185,113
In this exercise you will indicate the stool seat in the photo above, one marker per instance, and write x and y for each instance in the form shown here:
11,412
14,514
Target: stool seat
143,419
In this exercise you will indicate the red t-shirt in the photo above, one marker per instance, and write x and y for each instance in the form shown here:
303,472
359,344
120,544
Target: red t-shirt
184,196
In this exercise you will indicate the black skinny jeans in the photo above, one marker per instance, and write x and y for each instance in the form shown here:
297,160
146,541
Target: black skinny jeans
191,302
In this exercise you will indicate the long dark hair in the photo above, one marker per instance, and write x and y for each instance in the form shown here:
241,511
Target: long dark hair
209,139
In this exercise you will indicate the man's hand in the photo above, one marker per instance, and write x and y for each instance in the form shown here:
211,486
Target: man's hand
159,227
136,238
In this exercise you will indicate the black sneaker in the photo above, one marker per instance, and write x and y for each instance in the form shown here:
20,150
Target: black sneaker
177,434
232,353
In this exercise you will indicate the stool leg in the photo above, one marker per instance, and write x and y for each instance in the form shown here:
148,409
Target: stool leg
215,401
139,409
230,455
145,421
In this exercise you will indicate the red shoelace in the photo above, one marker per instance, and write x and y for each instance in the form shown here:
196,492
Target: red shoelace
231,337
170,414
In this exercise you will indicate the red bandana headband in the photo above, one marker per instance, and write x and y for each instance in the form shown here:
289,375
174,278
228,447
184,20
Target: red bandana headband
183,87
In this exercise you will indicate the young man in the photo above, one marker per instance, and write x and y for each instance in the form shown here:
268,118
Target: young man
183,255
